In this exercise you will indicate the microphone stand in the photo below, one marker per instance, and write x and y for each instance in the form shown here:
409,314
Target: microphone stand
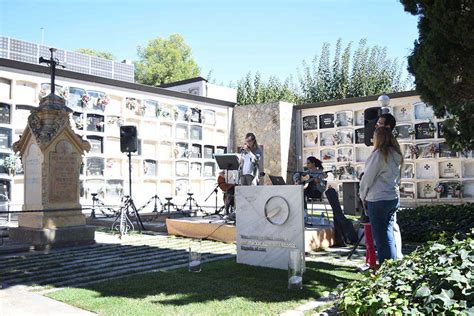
213,191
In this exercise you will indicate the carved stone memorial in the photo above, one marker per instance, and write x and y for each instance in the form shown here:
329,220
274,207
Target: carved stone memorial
51,156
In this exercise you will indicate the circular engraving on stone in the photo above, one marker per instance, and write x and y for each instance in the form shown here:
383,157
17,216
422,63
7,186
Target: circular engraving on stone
277,210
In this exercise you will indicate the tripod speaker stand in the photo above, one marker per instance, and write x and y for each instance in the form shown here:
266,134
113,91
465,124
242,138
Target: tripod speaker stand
191,201
128,144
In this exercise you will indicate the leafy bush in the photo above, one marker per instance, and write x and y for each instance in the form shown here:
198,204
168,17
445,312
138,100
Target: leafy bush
430,222
435,279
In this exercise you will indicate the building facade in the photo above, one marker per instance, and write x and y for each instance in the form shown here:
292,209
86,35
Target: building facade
178,133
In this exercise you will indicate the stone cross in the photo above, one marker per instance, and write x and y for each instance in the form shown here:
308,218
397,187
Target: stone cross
53,62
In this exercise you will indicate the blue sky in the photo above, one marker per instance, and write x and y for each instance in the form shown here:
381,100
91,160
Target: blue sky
229,37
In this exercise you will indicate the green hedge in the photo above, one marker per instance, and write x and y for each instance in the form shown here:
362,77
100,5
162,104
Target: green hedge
430,222
436,279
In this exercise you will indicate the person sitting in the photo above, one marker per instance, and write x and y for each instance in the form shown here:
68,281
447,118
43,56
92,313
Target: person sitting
314,177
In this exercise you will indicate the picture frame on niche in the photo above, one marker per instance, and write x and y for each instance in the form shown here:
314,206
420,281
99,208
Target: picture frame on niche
359,136
328,155
449,169
408,171
468,169
426,170
310,139
404,131
407,190
344,137
423,111
327,139
427,150
345,154
344,118
310,122
424,131
326,121
440,130
446,152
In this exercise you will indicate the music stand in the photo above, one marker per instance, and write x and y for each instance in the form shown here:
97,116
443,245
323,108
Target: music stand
227,162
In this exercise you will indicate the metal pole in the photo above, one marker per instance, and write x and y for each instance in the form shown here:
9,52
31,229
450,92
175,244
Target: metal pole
130,173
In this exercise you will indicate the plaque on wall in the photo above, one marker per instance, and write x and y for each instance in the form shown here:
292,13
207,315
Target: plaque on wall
209,169
344,137
195,169
208,152
95,166
196,132
449,169
426,170
310,139
327,139
344,118
220,150
4,113
96,144
151,108
182,186
407,190
362,153
75,97
403,131
468,189
468,169
449,189
426,190
181,150
182,169
359,118
359,136
181,131
424,131
5,138
423,112
427,150
440,130
195,151
328,155
181,112
149,167
326,121
310,122
195,115
95,123
402,113
208,117
408,171
114,188
344,154
446,152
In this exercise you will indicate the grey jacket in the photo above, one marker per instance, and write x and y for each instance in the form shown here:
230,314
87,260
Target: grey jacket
381,179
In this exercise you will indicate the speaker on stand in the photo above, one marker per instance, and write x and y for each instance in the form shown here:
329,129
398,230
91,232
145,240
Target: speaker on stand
371,116
128,144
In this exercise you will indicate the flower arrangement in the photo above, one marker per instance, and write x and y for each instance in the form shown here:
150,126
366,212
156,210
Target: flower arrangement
433,148
79,121
64,93
414,150
337,138
102,102
132,104
43,92
439,188
115,120
12,163
110,163
188,115
85,100
411,131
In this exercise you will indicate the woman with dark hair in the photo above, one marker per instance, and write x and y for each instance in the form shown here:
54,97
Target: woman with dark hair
379,190
314,176
249,160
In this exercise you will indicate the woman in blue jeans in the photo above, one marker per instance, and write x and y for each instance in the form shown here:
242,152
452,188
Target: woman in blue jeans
379,189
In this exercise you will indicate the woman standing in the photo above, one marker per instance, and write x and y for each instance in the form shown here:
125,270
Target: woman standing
250,157
379,189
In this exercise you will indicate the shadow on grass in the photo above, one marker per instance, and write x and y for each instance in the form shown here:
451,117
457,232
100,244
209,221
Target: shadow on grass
223,280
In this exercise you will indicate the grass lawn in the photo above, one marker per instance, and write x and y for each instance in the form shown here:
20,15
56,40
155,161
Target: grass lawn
223,287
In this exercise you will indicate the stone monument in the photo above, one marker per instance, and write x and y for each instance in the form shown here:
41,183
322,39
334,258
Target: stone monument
51,155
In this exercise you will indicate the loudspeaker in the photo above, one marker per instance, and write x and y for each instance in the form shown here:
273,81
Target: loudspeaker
128,139
371,116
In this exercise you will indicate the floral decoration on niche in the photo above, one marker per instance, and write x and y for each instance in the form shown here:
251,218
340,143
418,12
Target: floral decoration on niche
110,163
12,163
414,150
103,101
111,120
132,104
79,121
85,100
63,92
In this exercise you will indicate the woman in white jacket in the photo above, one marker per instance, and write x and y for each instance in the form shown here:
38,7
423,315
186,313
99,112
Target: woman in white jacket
379,189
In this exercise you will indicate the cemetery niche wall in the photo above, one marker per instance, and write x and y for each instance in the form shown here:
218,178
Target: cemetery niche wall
333,132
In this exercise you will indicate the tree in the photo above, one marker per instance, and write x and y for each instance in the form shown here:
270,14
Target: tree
443,64
369,72
91,52
165,60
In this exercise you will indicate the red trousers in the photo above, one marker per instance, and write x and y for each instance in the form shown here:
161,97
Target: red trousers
370,257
